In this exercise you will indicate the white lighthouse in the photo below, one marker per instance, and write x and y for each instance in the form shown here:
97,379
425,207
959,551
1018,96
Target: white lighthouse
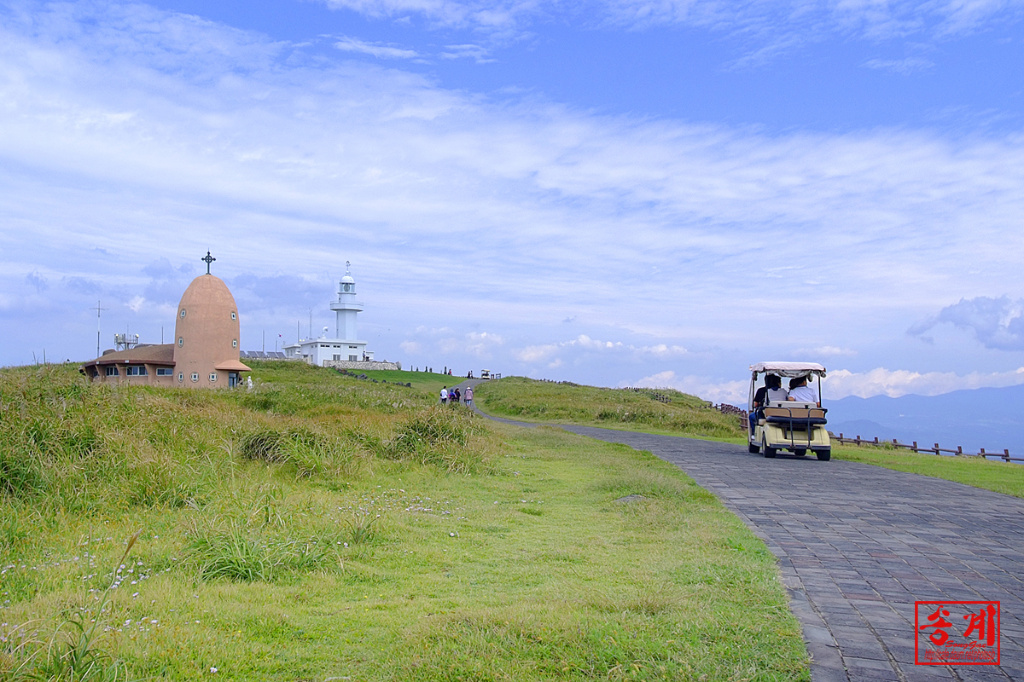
345,350
346,308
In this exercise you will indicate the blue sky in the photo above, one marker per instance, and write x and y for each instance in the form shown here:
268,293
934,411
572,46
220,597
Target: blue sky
618,193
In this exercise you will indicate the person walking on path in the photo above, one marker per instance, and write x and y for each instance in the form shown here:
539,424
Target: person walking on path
444,395
469,396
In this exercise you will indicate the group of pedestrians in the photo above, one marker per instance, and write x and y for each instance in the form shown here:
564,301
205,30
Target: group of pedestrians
454,396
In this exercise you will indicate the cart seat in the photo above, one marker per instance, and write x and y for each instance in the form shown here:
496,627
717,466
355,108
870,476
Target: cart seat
800,415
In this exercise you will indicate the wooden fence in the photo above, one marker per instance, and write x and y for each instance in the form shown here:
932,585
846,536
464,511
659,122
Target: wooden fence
913,447
935,449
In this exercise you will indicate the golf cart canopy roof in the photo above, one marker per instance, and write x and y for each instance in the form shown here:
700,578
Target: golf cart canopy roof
789,369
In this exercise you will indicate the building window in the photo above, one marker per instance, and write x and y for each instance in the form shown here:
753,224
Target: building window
111,371
195,376
234,343
181,376
181,339
183,313
164,372
233,315
353,358
337,358
353,347
213,376
136,371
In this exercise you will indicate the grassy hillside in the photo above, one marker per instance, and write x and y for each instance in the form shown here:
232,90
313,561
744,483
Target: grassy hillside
531,400
425,382
323,526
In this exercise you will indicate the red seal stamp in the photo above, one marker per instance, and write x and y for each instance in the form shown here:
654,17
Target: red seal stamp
956,633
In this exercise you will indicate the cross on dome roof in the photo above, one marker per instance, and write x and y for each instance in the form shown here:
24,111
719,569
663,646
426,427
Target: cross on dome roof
209,259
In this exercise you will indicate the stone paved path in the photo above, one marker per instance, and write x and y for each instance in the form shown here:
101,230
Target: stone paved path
858,544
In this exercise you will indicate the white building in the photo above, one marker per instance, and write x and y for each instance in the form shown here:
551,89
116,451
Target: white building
344,347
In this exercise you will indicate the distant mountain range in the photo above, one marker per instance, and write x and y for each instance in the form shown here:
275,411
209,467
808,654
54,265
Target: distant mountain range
990,418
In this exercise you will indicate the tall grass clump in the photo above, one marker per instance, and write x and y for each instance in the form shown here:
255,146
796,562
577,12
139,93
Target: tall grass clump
257,534
234,551
309,452
438,436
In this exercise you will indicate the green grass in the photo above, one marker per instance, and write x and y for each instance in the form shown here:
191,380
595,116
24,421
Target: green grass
323,526
1000,477
540,401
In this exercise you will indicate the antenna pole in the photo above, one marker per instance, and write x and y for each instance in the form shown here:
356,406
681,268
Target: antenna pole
98,311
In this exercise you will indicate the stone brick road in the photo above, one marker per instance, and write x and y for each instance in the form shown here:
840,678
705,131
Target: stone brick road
858,544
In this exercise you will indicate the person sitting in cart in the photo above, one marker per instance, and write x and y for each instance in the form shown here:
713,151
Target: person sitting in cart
771,391
801,392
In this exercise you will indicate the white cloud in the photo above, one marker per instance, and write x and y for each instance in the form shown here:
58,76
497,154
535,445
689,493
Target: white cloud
374,49
479,14
482,344
896,383
585,342
542,353
535,354
662,350
904,67
778,24
996,322
825,352
477,53
729,392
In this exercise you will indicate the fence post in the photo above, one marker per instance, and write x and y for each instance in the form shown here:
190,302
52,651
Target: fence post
1006,455
983,453
936,448
959,449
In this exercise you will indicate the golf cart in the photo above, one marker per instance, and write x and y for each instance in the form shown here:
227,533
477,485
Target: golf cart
778,423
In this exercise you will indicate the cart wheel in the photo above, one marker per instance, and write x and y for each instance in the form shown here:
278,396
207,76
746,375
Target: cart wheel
768,452
753,449
800,452
825,455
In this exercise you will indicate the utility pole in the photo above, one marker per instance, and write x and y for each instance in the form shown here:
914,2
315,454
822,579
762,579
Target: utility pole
98,311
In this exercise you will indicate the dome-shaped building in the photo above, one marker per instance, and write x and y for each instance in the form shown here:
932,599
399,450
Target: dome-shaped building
206,335
205,349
